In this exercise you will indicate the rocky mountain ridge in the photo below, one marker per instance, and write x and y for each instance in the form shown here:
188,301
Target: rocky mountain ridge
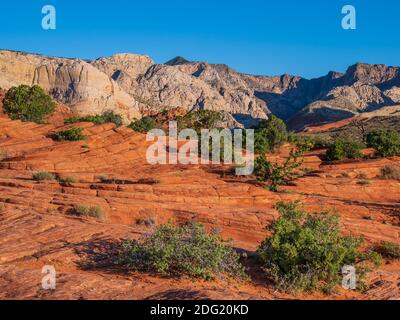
134,85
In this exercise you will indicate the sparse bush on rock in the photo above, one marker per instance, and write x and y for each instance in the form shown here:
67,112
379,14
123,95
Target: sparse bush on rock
90,211
344,149
28,103
143,125
306,251
390,173
388,250
106,117
385,142
278,174
73,134
187,250
199,119
43,176
69,180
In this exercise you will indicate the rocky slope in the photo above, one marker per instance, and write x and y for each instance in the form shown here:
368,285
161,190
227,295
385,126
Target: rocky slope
37,228
134,85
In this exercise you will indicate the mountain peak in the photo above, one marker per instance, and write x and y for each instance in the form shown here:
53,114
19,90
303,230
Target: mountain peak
177,61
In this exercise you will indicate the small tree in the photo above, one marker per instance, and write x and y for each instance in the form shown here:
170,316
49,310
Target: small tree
385,142
278,174
344,149
307,251
270,134
28,103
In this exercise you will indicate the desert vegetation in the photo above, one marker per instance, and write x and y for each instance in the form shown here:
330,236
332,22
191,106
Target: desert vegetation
73,134
89,211
269,135
344,149
43,176
307,251
388,250
278,174
385,142
106,117
143,125
28,103
187,250
390,173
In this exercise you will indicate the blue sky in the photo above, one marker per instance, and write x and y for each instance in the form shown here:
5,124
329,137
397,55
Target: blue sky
253,36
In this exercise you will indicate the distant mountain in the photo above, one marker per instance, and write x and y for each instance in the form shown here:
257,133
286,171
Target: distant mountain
134,85
177,61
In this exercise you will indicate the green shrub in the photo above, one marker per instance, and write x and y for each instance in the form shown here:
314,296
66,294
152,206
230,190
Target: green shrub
43,175
390,173
69,180
90,211
269,135
143,125
186,250
73,134
199,119
385,142
307,251
389,250
275,173
28,103
343,149
301,141
106,117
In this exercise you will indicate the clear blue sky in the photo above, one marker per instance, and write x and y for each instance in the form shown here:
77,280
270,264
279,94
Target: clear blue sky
253,36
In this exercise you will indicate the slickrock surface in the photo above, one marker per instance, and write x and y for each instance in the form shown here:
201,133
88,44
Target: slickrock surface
37,228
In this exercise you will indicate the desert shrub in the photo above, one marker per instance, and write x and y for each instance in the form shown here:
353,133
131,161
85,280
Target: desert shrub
199,119
146,222
90,211
269,135
307,251
385,142
28,103
388,250
275,173
149,181
301,141
364,182
103,178
43,175
73,134
106,117
390,173
186,250
69,180
3,155
344,149
143,125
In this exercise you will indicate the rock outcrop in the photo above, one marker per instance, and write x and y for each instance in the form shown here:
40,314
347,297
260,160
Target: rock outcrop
74,82
134,85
